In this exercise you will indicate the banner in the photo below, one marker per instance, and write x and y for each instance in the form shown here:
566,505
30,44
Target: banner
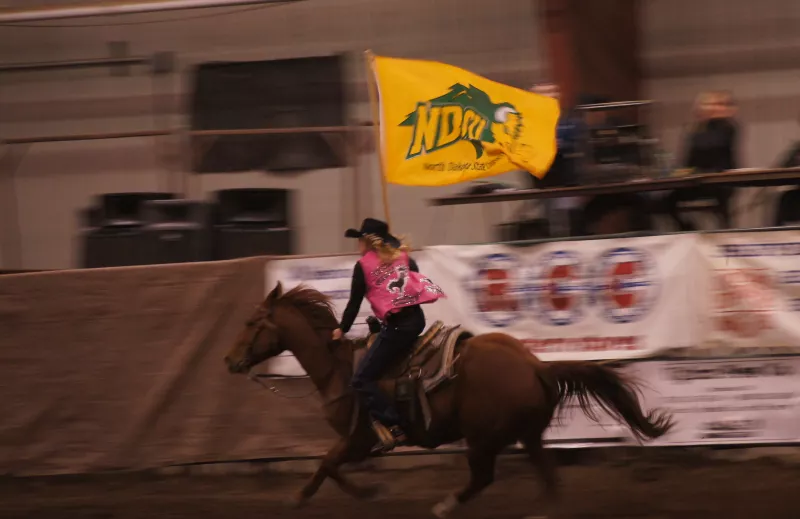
571,427
442,125
713,402
755,400
578,300
752,289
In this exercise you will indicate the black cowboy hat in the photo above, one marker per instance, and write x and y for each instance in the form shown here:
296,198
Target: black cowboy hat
373,227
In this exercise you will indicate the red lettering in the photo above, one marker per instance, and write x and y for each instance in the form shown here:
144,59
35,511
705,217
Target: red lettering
582,344
495,296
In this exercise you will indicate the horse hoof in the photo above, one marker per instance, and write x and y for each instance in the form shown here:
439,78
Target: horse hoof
371,492
297,502
446,507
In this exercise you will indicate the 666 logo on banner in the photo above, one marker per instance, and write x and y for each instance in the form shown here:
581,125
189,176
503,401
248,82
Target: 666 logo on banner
498,289
561,288
626,284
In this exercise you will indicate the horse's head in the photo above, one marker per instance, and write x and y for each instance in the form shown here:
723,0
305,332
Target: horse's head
259,340
300,320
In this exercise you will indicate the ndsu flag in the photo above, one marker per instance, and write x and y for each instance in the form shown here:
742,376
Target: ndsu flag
441,124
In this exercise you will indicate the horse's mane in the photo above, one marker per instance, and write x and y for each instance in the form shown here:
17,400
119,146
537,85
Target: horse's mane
313,304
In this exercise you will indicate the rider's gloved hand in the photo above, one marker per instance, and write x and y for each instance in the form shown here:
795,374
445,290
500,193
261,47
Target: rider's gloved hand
374,324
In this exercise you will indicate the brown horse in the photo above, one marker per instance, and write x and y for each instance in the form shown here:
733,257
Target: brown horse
501,394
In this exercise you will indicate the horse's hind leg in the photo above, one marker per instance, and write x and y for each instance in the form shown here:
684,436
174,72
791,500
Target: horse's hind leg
481,468
345,451
542,460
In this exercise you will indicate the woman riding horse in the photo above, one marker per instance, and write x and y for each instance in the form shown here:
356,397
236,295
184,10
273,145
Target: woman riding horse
391,282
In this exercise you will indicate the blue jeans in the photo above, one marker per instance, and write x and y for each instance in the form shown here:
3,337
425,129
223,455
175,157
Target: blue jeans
394,342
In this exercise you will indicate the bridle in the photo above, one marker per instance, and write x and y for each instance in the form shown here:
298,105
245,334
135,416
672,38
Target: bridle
261,324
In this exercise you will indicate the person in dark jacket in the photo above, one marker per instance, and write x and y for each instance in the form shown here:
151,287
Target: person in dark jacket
711,147
788,212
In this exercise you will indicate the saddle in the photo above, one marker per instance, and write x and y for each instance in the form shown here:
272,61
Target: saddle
431,364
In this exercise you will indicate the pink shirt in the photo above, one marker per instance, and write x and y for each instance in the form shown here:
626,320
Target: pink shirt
392,286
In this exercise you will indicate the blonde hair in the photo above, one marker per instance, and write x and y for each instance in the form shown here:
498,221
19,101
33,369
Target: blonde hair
386,252
708,97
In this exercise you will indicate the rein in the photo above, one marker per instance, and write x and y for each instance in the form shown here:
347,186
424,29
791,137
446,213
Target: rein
270,387
275,391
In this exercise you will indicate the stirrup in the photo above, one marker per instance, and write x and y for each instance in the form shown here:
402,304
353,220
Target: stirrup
388,438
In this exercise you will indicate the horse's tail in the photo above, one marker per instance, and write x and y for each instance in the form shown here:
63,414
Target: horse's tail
612,390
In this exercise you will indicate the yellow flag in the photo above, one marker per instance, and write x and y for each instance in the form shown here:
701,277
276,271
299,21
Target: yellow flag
441,124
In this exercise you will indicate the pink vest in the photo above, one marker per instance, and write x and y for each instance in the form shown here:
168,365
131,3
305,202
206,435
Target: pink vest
393,286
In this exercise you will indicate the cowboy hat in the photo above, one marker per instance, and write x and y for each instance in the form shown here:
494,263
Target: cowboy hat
371,226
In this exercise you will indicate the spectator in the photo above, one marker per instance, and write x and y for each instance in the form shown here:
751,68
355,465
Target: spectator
562,171
711,147
788,212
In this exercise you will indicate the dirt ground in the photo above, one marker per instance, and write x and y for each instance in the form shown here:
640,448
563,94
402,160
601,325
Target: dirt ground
670,487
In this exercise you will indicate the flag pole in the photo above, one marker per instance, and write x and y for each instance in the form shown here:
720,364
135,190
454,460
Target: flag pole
376,125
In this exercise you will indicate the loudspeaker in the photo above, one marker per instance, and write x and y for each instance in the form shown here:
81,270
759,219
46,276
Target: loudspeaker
252,222
263,206
240,241
176,231
126,209
113,247
112,234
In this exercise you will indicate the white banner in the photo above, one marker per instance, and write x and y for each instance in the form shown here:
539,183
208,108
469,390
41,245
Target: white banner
572,426
715,401
579,300
720,401
753,289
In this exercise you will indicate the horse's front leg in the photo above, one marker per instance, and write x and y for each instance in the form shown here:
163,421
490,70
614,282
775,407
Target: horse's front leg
346,450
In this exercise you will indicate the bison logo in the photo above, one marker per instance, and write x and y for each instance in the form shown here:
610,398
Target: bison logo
464,113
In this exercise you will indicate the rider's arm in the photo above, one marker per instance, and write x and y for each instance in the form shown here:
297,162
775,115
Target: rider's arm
358,288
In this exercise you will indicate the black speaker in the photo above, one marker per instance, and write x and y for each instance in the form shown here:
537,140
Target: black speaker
176,231
112,234
113,247
126,209
253,206
242,241
253,222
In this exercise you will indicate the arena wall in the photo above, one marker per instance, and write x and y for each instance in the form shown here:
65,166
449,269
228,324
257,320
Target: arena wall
498,38
123,368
